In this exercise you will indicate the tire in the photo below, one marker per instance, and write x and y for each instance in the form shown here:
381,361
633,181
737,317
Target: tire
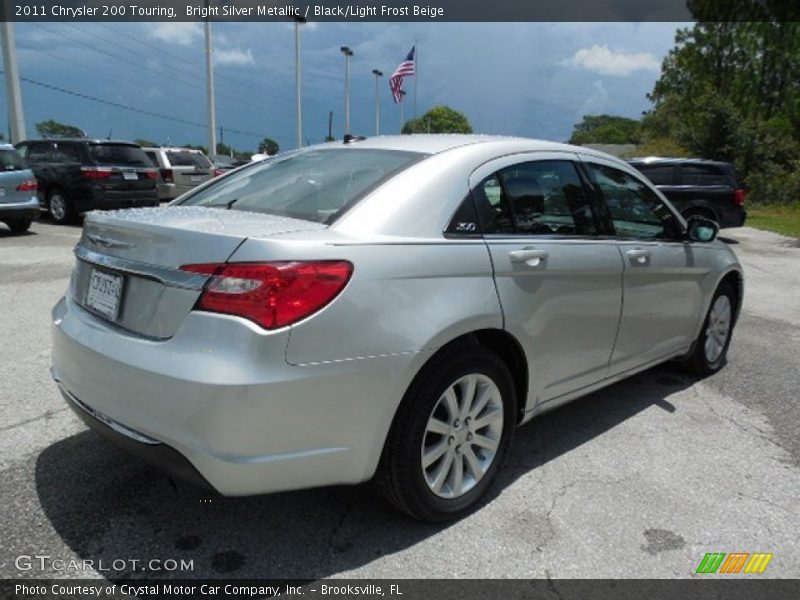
425,424
710,350
19,225
59,207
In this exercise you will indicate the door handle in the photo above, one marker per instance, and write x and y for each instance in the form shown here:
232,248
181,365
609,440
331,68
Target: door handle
638,256
530,256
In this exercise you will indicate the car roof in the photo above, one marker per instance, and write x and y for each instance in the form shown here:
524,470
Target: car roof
173,149
436,143
652,160
7,147
80,140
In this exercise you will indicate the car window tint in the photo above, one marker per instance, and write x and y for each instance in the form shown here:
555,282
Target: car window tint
188,159
636,211
152,158
38,152
705,175
66,153
658,174
313,185
10,160
535,198
118,154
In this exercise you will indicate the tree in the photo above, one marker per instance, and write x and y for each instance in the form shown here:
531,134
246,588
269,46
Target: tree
268,146
439,119
53,128
606,129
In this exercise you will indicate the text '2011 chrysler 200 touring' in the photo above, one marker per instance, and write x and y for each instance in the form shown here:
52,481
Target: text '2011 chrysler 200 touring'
389,308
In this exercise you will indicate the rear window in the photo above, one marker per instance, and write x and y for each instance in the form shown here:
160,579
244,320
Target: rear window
10,160
313,185
119,154
188,159
703,175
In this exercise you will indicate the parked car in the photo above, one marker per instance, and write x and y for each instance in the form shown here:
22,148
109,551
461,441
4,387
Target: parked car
390,307
76,175
705,188
19,202
180,170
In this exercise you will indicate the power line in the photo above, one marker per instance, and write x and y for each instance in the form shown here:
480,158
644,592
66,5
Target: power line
129,108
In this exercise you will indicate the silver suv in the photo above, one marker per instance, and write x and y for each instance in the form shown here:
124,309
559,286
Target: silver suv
180,170
19,202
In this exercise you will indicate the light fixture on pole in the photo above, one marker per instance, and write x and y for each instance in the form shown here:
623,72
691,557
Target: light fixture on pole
378,74
347,54
297,78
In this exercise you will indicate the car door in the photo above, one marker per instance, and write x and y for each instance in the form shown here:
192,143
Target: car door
558,283
662,296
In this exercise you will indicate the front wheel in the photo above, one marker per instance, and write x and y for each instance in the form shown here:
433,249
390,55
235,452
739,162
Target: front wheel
711,347
450,436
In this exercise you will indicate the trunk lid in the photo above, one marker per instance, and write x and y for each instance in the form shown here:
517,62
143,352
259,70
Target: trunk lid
127,269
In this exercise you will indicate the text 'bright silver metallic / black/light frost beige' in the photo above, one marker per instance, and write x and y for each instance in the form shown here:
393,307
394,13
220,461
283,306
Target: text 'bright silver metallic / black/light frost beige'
388,309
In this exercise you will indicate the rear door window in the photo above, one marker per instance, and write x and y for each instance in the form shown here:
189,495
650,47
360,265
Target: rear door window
118,154
535,198
10,160
658,174
67,153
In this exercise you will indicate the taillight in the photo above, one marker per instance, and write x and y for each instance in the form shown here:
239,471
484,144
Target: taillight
274,294
738,196
96,172
151,173
29,185
217,172
167,176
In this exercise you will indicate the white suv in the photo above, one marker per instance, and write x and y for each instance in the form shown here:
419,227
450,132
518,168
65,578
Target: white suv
180,170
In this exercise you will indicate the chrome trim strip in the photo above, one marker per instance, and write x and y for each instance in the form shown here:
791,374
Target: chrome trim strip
118,427
165,275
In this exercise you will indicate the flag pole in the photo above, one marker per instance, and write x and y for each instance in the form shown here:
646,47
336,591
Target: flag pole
416,74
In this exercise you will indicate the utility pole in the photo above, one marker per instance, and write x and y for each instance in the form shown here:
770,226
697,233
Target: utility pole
297,77
330,126
347,54
212,111
378,74
13,92
402,97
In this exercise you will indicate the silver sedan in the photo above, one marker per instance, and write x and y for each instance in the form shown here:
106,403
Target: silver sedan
387,309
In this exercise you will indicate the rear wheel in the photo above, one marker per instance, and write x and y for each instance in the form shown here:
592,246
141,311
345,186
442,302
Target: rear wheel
19,225
59,207
711,347
450,436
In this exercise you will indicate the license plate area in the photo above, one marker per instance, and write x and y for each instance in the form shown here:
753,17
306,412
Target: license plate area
104,293
130,175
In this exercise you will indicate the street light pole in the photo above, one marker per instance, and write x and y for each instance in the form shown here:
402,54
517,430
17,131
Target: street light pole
347,54
212,111
297,76
378,74
13,92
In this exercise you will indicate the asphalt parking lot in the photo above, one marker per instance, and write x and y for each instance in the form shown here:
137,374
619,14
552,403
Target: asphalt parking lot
638,480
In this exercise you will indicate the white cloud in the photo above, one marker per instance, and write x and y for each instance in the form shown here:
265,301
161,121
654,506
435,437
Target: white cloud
182,34
232,56
603,60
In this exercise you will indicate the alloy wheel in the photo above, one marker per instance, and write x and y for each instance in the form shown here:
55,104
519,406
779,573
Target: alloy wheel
718,328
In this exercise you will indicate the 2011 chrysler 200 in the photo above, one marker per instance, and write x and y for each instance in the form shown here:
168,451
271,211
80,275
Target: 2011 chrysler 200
389,308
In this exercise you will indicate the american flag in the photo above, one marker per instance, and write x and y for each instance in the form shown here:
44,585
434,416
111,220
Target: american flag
404,69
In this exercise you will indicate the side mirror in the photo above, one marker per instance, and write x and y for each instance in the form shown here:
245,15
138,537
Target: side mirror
700,229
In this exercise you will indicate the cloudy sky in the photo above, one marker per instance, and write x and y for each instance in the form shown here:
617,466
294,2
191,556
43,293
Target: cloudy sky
532,79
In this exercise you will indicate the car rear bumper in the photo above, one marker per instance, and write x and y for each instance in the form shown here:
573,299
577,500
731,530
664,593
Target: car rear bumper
109,200
28,209
225,400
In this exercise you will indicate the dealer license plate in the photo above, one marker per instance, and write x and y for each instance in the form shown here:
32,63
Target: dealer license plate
104,294
131,175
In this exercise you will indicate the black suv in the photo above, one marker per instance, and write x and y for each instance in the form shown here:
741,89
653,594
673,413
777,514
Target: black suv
707,188
79,175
